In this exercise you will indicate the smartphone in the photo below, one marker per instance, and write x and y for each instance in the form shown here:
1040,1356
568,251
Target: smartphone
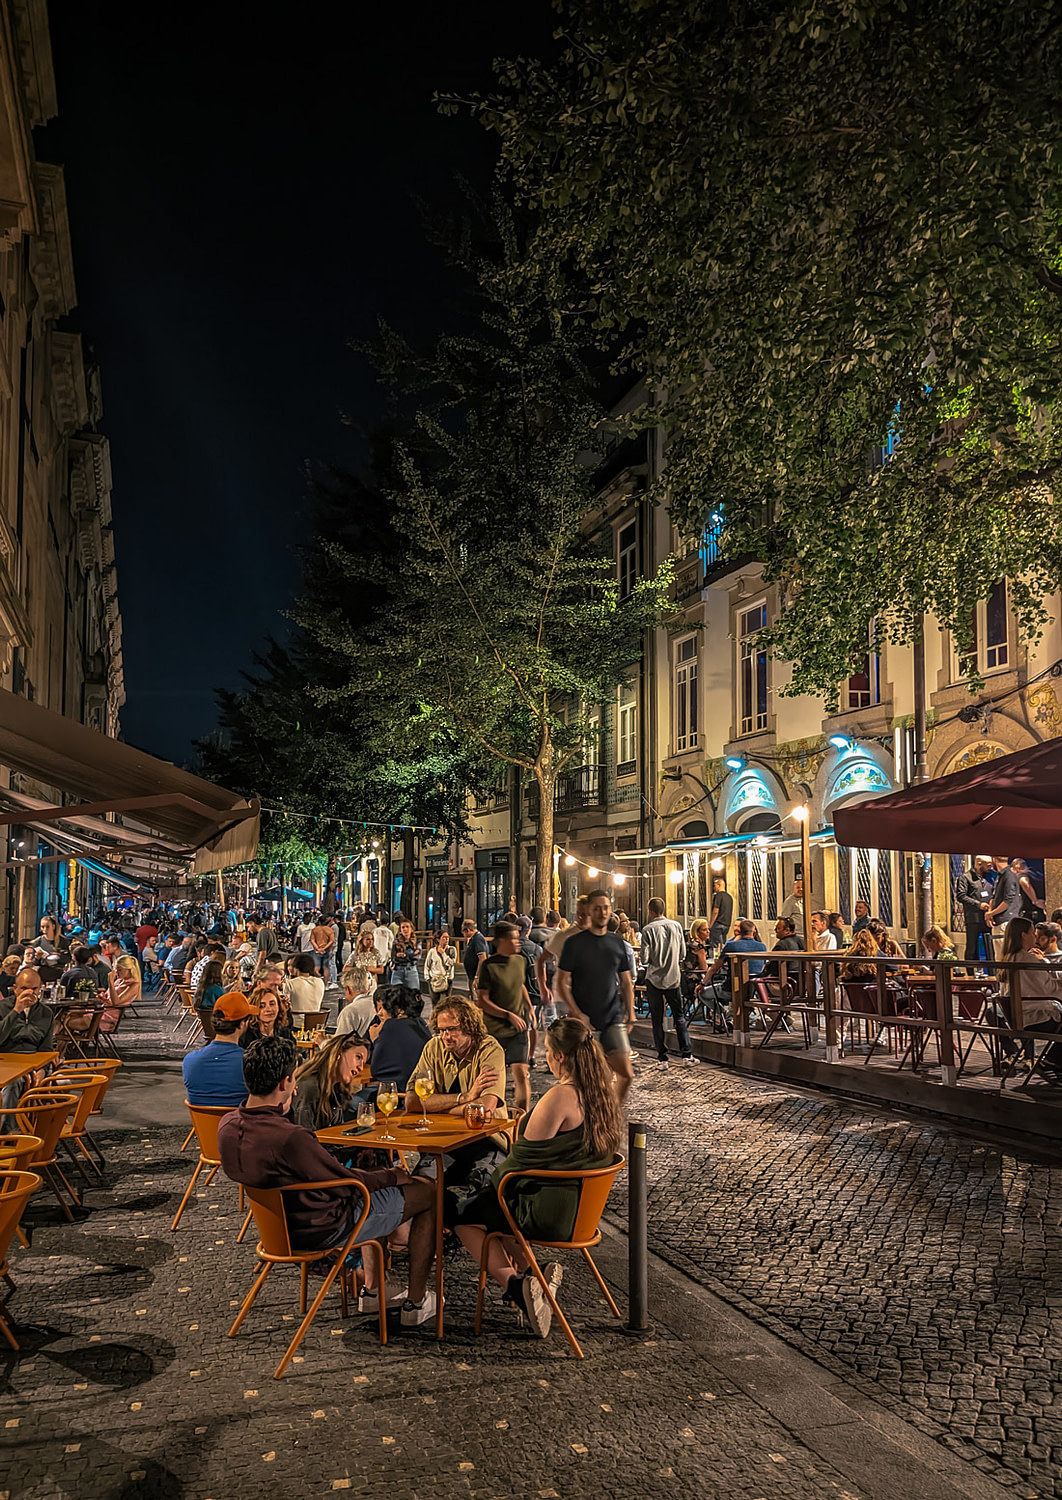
358,1130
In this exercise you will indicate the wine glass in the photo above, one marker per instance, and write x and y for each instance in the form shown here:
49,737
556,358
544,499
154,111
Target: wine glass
387,1103
424,1086
366,1114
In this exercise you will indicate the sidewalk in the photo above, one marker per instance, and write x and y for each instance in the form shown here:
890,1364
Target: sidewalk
128,1387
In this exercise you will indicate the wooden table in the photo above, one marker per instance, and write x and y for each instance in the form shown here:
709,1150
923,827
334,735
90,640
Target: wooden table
17,1064
446,1133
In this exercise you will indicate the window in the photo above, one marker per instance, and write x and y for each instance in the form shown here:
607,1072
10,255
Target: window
627,732
687,716
752,670
863,689
991,646
627,564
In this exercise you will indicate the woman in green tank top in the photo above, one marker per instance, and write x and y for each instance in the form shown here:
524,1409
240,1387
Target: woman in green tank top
575,1125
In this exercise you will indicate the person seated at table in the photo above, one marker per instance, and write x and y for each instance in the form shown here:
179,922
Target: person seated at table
745,942
1040,989
230,975
574,1126
1048,935
214,1074
936,944
208,992
864,945
123,988
272,1016
400,1039
886,947
9,967
787,941
467,1066
81,978
305,989
358,1011
26,1025
261,1146
325,1093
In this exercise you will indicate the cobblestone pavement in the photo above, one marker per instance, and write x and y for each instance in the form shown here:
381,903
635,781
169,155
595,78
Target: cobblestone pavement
922,1263
126,1386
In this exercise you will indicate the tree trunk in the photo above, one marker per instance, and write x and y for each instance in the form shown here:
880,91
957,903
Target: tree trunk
546,778
328,902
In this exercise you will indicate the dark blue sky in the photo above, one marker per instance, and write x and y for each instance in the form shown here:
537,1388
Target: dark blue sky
241,181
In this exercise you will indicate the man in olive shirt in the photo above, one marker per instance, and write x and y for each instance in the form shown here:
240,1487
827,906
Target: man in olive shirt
467,1066
502,995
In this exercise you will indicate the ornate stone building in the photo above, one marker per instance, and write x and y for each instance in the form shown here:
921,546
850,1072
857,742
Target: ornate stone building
60,628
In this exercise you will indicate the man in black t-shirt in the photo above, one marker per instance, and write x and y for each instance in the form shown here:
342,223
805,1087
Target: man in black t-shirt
788,942
1005,899
595,979
722,913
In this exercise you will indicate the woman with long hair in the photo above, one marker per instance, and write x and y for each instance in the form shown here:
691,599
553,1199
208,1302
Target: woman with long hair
272,1016
325,1083
575,1125
123,985
230,975
863,946
366,958
1040,989
439,962
886,947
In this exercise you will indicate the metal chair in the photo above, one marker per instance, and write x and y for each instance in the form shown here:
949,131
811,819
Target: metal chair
586,1233
16,1151
16,1189
274,1249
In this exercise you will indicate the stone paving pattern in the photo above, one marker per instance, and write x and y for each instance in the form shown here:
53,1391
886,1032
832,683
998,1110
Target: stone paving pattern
919,1261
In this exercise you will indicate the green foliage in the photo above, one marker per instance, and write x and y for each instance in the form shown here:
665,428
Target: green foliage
816,225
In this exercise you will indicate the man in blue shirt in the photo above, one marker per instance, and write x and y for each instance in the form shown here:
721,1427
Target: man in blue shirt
746,942
214,1074
475,948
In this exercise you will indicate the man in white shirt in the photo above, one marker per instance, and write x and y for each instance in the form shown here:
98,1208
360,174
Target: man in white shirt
793,906
663,949
302,934
551,948
305,989
822,937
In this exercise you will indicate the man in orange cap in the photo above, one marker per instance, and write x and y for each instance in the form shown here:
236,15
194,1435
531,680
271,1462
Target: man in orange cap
214,1074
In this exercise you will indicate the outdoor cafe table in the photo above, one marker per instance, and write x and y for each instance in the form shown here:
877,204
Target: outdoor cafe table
447,1133
17,1064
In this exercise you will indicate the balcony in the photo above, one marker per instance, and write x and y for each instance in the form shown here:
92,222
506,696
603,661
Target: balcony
584,786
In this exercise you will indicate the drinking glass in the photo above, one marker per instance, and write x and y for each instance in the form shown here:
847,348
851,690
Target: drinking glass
475,1115
366,1113
424,1086
387,1103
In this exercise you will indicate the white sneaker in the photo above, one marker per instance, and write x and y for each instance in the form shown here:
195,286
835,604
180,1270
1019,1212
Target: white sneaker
662,1062
691,1061
369,1301
553,1271
413,1316
536,1305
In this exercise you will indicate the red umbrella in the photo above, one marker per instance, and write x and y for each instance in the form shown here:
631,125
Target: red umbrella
1013,803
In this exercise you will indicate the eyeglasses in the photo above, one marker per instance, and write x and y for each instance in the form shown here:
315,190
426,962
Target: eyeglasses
450,1031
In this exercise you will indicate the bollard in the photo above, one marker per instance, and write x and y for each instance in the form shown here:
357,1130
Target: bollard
637,1231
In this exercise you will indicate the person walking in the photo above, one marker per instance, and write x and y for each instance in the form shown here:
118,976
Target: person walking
595,980
663,949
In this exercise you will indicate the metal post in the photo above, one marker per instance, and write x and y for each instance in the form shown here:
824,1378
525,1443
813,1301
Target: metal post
637,1230
921,774
805,856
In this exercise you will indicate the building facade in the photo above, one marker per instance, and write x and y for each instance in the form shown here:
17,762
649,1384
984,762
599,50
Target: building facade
60,626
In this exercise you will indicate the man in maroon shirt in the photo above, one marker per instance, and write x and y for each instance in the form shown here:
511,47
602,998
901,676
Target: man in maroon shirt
262,1147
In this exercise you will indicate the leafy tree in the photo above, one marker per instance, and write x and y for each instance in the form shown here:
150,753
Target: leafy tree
827,228
503,625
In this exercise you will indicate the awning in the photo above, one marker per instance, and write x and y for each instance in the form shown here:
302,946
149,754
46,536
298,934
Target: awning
186,822
723,842
1012,804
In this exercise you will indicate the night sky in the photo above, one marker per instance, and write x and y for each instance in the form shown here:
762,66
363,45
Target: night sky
241,182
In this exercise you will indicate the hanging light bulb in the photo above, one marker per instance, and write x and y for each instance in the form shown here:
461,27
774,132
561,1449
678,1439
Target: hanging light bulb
676,877
569,860
718,864
618,878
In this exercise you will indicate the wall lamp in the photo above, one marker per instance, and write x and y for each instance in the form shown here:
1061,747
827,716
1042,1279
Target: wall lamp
842,742
735,763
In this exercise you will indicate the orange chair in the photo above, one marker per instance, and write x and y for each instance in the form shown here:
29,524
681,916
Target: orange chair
205,1121
90,1087
106,1065
596,1186
274,1249
45,1115
15,1152
16,1189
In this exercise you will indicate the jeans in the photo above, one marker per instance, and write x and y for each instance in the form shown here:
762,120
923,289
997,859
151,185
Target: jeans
673,999
976,944
325,966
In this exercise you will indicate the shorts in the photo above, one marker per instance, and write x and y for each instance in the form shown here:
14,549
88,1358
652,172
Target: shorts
515,1047
386,1207
614,1038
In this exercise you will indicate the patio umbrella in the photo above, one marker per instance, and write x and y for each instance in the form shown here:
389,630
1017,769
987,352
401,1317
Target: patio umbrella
1011,804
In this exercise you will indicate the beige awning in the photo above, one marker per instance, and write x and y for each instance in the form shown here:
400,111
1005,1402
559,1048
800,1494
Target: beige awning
162,811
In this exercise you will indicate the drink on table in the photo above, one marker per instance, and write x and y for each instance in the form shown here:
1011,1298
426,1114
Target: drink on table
387,1103
424,1085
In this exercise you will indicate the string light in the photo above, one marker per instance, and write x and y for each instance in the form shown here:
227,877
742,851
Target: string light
570,860
285,812
593,871
618,878
718,864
